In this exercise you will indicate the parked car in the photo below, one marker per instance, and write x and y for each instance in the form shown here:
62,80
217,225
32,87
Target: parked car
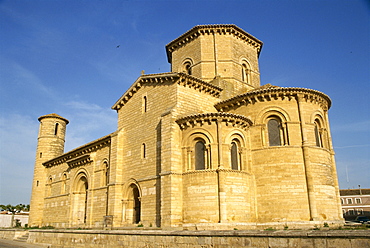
362,220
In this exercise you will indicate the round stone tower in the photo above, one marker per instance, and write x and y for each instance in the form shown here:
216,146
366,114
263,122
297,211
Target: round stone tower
51,139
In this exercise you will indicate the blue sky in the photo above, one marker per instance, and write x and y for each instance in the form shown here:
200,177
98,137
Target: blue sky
62,57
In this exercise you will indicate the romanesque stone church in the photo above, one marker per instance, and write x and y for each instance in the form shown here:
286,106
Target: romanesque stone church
204,146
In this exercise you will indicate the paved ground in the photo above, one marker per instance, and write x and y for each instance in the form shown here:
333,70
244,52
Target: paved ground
5,243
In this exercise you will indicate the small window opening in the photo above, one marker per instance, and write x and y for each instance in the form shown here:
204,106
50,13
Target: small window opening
106,174
56,128
187,68
40,154
318,137
245,71
143,150
145,104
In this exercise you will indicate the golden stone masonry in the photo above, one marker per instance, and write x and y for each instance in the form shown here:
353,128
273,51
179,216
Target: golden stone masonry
201,147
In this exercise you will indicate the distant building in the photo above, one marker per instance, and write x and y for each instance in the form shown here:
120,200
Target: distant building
204,146
355,202
6,219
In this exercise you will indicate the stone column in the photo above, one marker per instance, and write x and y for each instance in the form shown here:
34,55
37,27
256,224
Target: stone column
306,161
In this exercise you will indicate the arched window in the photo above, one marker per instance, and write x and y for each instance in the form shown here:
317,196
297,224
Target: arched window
274,131
201,155
245,72
235,155
318,134
187,67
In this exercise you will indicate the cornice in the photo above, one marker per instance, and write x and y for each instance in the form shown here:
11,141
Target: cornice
81,160
274,93
173,77
212,29
200,119
198,84
53,115
80,155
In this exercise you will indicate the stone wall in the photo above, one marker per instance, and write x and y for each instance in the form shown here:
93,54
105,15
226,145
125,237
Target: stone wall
201,239
6,220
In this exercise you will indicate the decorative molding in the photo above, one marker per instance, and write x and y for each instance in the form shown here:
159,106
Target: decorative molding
171,77
81,152
53,115
275,93
196,83
200,119
85,159
214,171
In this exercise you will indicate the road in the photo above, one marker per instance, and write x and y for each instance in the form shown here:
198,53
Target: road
5,243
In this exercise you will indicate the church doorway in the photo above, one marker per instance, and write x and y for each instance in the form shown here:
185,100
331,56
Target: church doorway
137,204
80,200
132,208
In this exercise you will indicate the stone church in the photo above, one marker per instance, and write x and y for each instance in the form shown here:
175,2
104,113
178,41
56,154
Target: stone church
204,146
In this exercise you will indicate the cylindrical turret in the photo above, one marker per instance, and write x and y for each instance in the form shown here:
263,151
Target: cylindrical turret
51,139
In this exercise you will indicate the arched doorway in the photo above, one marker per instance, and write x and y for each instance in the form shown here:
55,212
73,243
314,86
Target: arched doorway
132,206
137,204
80,199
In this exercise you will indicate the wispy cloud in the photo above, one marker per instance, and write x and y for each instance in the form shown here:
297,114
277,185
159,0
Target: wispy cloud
353,172
362,126
354,146
87,122
23,78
